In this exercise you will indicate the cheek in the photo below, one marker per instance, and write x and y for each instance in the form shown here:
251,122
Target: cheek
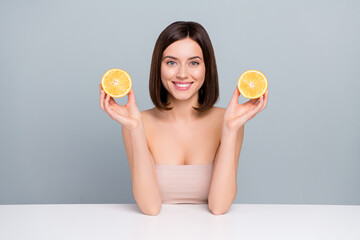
199,73
167,73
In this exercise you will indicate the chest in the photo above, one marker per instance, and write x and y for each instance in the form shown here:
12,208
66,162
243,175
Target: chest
185,144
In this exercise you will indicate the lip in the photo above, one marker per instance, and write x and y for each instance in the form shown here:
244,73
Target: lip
182,88
182,82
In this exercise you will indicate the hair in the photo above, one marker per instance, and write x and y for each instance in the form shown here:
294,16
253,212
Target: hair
209,91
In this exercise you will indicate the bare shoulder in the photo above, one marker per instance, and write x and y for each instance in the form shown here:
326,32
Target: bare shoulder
219,113
148,117
220,110
147,111
146,114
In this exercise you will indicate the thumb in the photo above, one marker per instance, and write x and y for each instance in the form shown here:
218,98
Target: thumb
131,96
235,96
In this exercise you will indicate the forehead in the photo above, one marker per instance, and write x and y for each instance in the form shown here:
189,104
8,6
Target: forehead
184,48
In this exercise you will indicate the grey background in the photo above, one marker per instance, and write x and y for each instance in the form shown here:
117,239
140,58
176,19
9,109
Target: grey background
58,146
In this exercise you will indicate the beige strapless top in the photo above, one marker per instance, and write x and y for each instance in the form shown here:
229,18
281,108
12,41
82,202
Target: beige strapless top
184,183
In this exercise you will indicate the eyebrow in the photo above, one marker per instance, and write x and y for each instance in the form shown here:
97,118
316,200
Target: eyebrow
177,59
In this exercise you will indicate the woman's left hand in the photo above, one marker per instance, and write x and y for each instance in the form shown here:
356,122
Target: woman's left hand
237,114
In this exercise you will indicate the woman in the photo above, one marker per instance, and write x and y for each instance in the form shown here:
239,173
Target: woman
184,150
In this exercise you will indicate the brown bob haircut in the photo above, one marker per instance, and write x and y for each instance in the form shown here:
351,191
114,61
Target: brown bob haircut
209,91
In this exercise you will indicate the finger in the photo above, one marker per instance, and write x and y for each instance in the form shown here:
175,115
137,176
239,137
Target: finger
259,104
235,96
102,97
109,100
131,96
117,117
251,101
250,114
266,96
112,101
257,109
262,102
107,107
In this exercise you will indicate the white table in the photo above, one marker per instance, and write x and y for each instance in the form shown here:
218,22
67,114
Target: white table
179,221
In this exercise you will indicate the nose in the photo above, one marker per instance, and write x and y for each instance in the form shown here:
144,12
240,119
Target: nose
183,72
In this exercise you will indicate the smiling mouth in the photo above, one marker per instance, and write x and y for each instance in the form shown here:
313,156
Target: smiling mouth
183,84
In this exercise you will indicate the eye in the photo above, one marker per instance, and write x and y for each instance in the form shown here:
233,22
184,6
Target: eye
171,63
194,63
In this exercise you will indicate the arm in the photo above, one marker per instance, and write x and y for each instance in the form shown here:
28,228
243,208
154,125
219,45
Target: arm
143,173
223,184
223,188
142,167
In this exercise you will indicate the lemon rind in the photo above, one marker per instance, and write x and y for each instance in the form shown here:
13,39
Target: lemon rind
257,96
112,95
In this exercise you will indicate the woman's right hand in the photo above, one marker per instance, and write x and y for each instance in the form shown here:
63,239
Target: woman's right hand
128,115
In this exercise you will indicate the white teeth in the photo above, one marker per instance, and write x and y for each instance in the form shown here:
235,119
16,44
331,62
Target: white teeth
182,85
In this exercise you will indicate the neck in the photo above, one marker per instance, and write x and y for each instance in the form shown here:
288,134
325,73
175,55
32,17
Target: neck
182,110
